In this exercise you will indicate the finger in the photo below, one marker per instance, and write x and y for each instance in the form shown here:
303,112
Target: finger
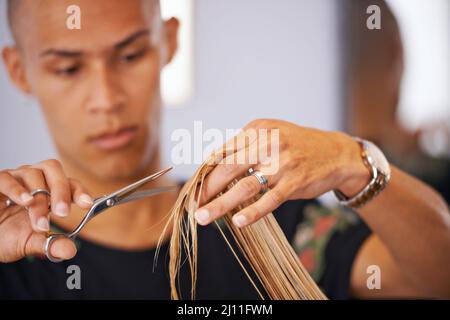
240,141
58,183
62,248
233,166
79,194
271,200
11,188
245,189
33,179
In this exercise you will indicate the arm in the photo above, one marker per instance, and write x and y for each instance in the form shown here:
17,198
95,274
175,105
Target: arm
410,220
411,244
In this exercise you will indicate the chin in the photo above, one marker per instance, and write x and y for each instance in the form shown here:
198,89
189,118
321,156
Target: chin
113,168
129,170
130,163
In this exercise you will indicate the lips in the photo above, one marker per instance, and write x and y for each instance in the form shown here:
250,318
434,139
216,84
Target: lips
115,139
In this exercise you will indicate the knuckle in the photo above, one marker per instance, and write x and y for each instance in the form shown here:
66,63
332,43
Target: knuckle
292,187
289,163
218,207
256,123
16,189
254,213
249,185
40,208
61,189
10,184
23,167
62,182
4,175
276,197
204,196
282,143
229,168
51,163
32,172
251,124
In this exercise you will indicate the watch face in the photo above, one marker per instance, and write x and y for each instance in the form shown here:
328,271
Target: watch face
377,158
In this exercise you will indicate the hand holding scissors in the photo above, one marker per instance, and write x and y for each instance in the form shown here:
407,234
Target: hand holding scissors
21,235
124,195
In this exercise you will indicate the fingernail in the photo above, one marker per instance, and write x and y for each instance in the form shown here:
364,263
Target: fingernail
202,216
86,199
26,197
42,224
61,209
240,220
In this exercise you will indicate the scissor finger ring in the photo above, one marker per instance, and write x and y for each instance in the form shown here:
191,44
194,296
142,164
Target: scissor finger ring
48,243
34,192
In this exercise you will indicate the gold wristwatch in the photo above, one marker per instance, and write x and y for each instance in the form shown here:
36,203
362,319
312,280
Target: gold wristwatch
378,165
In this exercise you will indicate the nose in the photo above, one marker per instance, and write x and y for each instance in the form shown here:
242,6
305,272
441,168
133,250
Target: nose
105,94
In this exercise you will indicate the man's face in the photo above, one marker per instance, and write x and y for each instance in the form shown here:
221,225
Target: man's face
98,86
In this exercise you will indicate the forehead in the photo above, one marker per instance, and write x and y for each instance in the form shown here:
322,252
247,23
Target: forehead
103,22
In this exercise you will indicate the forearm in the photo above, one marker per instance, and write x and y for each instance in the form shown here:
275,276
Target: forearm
413,221
410,218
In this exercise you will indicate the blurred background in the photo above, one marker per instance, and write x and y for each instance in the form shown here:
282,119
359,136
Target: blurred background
250,59
398,81
311,62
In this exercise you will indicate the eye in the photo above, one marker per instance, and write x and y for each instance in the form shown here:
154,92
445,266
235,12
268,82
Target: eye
69,71
133,56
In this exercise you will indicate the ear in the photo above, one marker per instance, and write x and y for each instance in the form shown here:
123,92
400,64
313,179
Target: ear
16,69
171,27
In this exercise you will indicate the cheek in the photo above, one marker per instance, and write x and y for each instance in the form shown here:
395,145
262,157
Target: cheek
58,97
142,85
60,108
63,128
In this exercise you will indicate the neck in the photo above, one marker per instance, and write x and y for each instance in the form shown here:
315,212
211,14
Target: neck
133,226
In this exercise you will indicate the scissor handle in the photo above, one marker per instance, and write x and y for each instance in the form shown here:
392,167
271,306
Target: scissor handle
48,244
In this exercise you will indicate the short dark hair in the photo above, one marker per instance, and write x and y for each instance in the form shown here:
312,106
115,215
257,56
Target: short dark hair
13,7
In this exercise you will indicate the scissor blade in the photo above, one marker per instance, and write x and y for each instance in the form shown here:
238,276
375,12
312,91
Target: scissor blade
146,193
124,192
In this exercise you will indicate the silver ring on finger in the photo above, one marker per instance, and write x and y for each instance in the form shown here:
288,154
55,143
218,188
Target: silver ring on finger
37,191
261,179
34,192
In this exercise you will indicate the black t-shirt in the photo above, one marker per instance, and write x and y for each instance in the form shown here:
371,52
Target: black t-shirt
108,273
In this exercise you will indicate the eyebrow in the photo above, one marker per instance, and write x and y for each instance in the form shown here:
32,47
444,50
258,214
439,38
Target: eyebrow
62,53
123,43
131,38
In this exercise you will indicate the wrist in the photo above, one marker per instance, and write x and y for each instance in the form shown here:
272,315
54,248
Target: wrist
356,175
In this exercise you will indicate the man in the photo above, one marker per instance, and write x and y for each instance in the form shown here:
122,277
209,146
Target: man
376,63
99,91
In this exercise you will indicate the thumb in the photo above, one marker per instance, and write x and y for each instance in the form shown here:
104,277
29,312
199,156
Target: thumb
62,248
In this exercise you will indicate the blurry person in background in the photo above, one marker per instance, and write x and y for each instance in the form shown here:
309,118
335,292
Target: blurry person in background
376,63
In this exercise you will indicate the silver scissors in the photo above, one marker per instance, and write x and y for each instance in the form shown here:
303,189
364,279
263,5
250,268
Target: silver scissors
124,195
